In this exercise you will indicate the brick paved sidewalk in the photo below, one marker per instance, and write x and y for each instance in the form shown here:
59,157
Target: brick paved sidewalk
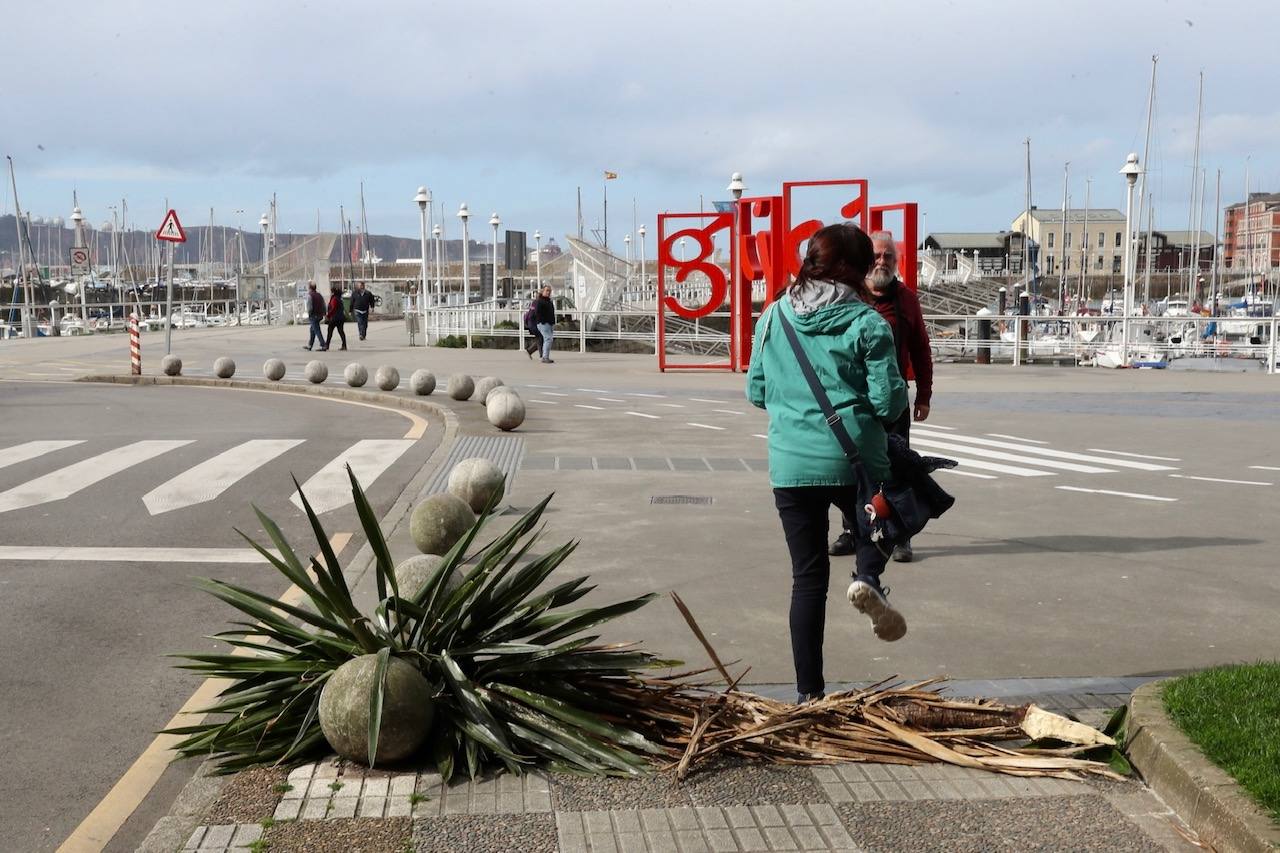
729,806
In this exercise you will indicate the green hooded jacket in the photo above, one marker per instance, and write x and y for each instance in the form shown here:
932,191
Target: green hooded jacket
852,351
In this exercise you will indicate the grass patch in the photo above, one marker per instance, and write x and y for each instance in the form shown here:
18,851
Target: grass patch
1233,714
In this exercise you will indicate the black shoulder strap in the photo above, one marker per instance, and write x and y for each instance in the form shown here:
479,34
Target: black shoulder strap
815,385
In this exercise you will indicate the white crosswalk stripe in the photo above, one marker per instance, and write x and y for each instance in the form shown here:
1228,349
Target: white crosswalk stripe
982,465
330,488
67,481
209,479
32,450
983,453
1039,451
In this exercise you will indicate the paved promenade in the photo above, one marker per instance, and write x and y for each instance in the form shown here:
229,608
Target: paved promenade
1110,526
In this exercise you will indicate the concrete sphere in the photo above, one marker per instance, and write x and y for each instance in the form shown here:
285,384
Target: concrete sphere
316,371
484,386
422,382
171,365
224,368
439,522
387,377
461,386
273,369
407,710
501,389
477,481
505,411
355,374
412,574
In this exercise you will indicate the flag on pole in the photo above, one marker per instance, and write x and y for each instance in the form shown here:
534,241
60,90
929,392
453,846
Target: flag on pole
609,176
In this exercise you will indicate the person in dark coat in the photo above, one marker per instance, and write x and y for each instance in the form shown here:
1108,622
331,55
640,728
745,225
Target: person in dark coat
545,314
361,302
901,310
336,316
315,313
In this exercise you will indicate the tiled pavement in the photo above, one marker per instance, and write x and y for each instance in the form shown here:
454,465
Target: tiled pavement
736,807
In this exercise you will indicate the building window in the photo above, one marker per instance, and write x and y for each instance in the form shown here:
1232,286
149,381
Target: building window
1115,265
1066,263
1102,239
1068,243
1051,239
1098,265
1117,239
1048,263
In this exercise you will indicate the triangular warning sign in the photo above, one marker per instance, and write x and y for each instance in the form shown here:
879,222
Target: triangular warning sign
171,229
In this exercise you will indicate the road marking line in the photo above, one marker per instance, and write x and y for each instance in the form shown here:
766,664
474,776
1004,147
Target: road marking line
983,453
1264,468
534,385
209,479
1015,438
330,487
959,473
585,406
1042,451
595,390
638,394
758,435
65,482
705,426
545,402
1140,497
418,430
56,553
671,405
643,415
936,426
101,825
72,369
727,412
1135,455
704,400
1221,480
554,394
611,399
997,467
31,450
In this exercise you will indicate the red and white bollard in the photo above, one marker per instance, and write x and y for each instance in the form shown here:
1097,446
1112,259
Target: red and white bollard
135,346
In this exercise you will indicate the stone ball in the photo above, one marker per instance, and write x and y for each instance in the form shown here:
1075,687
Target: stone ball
355,374
501,389
477,481
422,382
316,371
273,369
387,377
461,386
171,365
439,522
407,710
484,386
505,411
224,368
412,574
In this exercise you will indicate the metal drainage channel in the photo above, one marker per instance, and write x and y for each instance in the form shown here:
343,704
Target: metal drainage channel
502,450
697,500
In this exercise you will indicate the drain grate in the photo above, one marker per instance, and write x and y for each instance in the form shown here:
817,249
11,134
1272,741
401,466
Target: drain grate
699,500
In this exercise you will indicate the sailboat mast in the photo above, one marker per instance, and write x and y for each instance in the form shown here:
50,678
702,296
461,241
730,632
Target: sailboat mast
1142,186
1195,199
1026,221
1084,243
1062,274
1213,270
1248,242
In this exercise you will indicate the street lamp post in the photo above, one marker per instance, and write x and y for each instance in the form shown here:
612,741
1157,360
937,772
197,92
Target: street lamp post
423,198
1130,171
77,224
640,231
736,306
435,232
464,215
537,261
495,222
626,240
265,224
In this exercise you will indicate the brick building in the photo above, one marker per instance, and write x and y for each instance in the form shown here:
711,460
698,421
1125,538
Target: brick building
1262,230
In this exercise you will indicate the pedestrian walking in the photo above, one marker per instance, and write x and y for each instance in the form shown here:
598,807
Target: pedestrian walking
336,316
849,349
361,302
531,327
901,309
545,314
315,313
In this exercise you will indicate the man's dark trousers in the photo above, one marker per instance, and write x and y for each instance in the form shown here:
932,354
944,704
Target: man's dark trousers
316,335
362,323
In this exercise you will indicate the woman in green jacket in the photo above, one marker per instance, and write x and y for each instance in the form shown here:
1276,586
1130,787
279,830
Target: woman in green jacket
852,352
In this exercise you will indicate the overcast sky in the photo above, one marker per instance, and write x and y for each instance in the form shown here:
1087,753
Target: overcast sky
511,106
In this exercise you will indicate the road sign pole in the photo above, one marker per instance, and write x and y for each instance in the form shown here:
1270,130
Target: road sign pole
168,305
135,346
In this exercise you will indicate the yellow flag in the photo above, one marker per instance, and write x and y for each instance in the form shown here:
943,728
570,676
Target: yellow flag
609,176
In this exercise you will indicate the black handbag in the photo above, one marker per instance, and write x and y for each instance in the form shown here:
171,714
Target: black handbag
893,511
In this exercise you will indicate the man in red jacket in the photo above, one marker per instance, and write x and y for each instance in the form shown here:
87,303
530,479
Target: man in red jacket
901,309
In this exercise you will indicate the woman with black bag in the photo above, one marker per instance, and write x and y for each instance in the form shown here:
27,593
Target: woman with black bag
822,346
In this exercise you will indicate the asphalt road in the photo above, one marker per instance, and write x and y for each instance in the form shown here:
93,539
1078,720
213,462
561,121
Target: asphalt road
85,680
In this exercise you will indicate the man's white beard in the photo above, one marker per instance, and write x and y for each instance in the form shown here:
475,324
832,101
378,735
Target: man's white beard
879,279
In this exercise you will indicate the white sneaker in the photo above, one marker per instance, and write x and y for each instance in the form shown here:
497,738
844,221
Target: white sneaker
888,623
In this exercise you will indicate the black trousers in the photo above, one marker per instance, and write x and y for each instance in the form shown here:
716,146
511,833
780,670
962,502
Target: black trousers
804,512
362,323
902,427
342,334
535,342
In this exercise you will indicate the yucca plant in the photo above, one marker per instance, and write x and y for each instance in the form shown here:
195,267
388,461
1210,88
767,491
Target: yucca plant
517,682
